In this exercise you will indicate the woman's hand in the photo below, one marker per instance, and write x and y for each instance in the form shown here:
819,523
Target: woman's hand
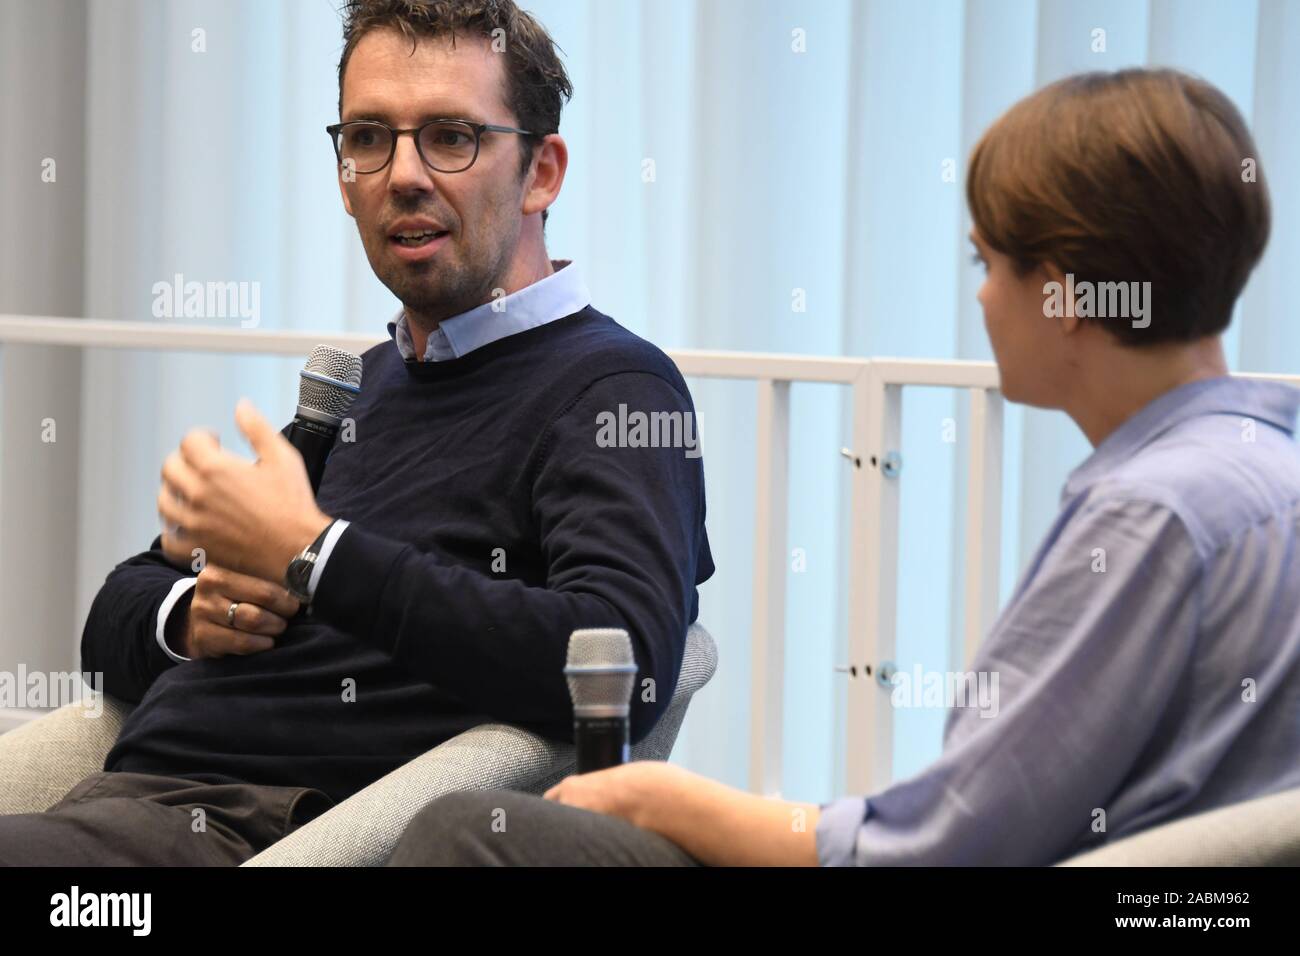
626,791
716,824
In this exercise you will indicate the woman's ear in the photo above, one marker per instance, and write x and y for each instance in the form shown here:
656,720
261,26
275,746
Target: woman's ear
1058,297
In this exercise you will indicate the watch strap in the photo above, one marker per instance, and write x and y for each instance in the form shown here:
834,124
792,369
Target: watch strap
316,545
298,584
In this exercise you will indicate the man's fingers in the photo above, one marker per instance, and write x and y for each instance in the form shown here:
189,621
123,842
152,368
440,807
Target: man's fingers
260,433
199,448
265,595
249,618
174,512
245,587
262,612
179,478
217,640
224,587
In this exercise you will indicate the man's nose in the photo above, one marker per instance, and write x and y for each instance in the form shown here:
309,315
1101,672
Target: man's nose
409,172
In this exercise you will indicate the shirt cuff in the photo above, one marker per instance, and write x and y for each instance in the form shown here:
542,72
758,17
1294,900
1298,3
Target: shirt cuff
351,600
178,589
326,547
837,830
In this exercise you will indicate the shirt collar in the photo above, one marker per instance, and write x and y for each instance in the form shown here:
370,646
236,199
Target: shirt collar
561,293
1270,402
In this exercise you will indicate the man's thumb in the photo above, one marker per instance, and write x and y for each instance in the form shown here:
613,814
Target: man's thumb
260,433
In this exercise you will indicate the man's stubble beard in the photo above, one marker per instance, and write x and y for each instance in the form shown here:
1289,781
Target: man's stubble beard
432,291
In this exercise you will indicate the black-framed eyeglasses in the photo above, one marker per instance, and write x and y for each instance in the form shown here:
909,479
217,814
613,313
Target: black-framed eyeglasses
445,145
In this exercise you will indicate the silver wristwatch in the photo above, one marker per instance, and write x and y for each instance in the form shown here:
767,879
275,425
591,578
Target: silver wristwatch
297,579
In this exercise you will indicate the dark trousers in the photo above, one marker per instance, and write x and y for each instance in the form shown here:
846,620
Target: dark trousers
500,828
138,819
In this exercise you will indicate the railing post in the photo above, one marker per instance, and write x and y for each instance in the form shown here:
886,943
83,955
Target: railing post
767,649
983,552
873,581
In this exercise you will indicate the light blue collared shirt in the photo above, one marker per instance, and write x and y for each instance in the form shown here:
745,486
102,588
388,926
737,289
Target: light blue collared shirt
561,293
1148,663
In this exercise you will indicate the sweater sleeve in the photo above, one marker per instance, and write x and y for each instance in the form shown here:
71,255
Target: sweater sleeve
620,529
120,638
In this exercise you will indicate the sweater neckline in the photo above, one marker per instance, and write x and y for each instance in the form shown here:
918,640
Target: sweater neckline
451,368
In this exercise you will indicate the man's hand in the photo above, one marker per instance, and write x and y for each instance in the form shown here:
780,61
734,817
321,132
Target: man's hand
251,517
263,613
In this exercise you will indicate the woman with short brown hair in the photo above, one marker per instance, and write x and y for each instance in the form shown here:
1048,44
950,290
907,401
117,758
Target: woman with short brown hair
1148,662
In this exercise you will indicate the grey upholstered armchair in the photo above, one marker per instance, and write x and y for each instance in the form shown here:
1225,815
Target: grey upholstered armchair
1264,831
41,761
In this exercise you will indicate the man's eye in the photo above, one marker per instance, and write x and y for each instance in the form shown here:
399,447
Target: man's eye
977,259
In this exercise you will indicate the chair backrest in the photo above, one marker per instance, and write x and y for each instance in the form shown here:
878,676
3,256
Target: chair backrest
1264,831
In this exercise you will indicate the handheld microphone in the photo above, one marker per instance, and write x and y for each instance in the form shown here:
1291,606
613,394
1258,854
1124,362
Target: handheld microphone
601,672
327,387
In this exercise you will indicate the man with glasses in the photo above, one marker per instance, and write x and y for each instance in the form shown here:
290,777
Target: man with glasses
468,524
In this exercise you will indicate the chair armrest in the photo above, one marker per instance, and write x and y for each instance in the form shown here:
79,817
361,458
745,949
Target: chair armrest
44,758
1264,831
364,829
699,663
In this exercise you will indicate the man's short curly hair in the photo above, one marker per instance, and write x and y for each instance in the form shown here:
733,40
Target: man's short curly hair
536,82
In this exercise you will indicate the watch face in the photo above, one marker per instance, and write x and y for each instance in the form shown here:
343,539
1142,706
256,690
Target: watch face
299,575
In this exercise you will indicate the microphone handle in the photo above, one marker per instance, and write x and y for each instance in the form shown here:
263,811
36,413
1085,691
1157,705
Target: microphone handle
313,441
601,742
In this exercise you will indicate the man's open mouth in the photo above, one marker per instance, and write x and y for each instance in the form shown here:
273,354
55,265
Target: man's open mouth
414,238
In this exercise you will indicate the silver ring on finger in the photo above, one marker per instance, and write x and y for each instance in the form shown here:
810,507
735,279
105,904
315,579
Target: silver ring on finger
230,614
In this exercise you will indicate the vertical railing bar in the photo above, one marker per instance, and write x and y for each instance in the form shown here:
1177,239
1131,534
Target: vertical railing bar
873,590
767,649
983,519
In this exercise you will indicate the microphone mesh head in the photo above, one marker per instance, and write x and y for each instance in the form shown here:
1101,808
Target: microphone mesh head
600,669
328,398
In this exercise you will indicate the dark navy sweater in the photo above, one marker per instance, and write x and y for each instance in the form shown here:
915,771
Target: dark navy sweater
456,469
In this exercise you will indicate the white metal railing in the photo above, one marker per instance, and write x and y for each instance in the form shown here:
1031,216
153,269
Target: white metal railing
875,386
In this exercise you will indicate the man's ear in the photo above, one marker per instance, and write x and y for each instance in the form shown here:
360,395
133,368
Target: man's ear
1068,321
550,162
343,191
